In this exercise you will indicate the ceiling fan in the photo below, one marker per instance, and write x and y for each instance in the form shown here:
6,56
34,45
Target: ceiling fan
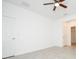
56,4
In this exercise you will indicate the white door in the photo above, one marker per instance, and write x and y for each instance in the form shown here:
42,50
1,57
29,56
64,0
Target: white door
8,36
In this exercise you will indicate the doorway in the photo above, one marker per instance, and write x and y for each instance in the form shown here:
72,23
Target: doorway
73,36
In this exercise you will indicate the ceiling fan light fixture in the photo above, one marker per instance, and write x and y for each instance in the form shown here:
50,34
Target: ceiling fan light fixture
56,4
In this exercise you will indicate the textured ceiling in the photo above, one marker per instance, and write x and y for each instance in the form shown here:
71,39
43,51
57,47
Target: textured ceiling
47,11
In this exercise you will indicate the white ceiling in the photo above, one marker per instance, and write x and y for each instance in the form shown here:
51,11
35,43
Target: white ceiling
47,11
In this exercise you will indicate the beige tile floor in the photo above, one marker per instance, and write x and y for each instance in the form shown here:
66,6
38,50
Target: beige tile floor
50,53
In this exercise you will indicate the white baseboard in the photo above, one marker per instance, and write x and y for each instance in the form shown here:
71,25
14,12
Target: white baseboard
25,52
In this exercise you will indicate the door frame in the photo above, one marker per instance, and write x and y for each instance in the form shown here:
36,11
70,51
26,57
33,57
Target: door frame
8,35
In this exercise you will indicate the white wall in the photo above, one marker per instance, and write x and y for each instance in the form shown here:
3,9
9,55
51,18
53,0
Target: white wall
33,31
67,31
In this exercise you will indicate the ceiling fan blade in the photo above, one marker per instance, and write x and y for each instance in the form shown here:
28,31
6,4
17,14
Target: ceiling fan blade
63,5
55,1
54,8
47,3
61,0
